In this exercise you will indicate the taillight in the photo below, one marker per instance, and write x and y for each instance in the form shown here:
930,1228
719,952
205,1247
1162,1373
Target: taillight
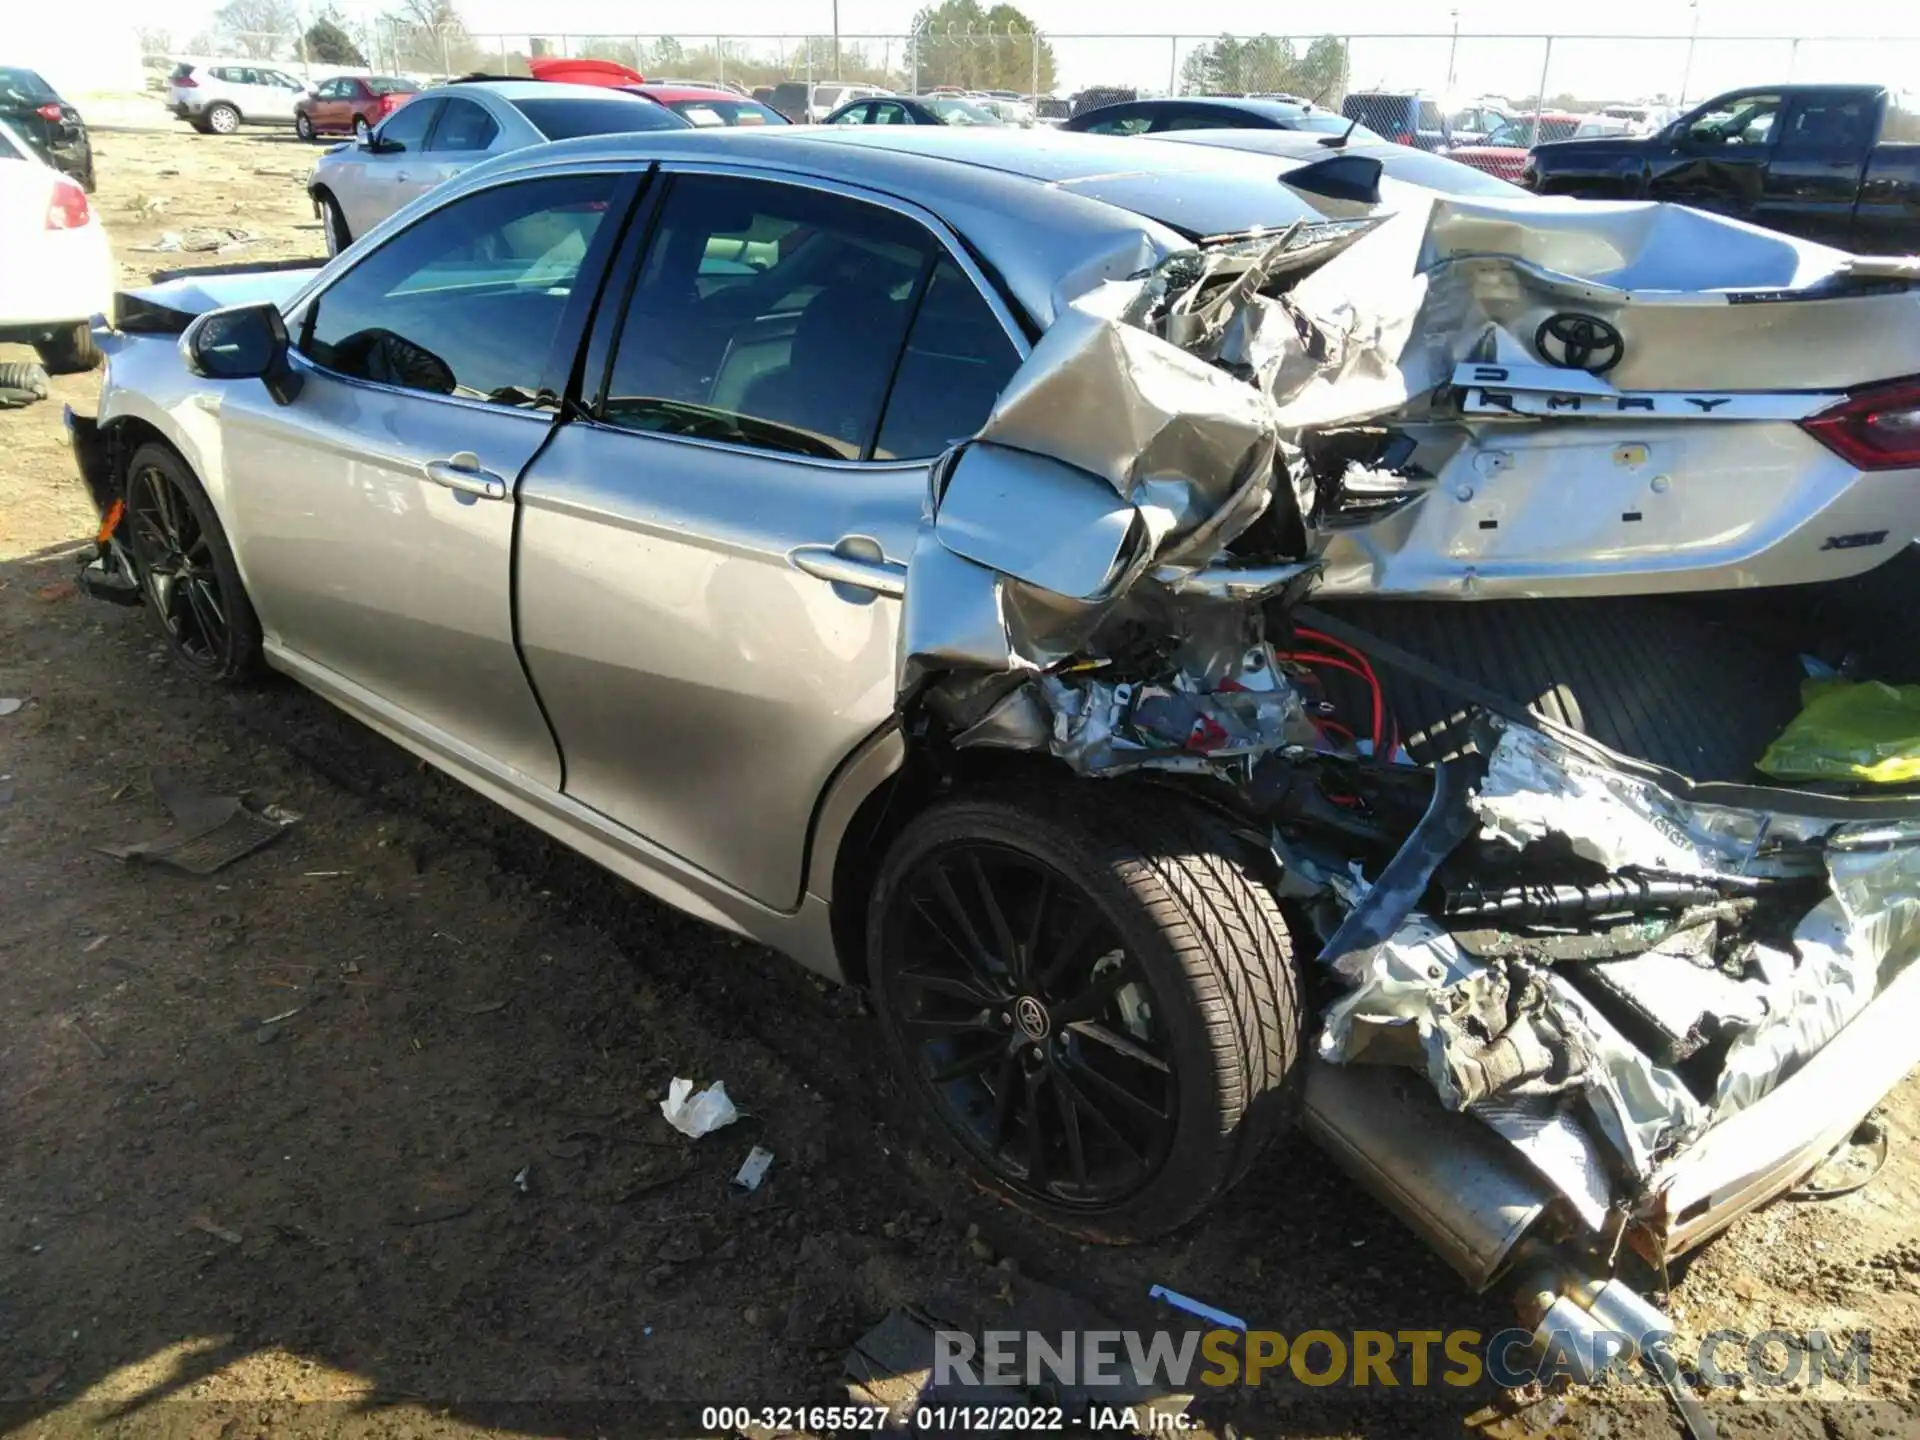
186,82
68,209
49,112
1877,428
389,104
1405,137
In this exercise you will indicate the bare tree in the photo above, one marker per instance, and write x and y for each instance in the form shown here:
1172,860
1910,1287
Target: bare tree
258,27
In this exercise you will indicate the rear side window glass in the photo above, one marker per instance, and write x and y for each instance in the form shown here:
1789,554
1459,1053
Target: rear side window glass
463,126
1430,116
958,359
769,316
468,301
1129,124
570,119
1830,123
409,124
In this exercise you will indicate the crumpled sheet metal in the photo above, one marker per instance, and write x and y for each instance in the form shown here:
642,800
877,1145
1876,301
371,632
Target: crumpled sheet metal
1448,280
1537,787
1058,517
1493,1036
1519,1045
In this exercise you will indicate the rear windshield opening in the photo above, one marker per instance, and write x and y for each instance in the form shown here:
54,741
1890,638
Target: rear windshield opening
569,119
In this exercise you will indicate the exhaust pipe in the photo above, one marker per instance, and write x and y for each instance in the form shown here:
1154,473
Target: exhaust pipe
1454,1182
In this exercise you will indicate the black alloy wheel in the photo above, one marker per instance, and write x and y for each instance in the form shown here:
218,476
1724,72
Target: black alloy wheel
1031,1025
176,565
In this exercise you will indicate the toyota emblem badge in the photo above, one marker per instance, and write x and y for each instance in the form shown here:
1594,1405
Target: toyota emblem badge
1579,342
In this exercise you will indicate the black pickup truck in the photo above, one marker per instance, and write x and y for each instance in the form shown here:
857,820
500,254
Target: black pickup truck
1835,163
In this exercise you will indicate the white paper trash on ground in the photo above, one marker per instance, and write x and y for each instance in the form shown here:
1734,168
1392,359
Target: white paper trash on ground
696,1115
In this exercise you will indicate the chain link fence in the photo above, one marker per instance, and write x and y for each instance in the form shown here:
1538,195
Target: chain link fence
1522,72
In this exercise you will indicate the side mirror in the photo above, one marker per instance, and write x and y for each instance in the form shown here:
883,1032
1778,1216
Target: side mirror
242,342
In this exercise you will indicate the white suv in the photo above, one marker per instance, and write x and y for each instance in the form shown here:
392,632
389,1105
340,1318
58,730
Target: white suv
829,98
220,98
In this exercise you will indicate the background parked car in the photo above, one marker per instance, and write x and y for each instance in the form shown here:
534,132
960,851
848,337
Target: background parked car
1472,125
440,132
58,272
1504,152
1405,117
45,123
350,105
1051,109
705,106
222,98
1836,163
1094,96
1210,112
914,110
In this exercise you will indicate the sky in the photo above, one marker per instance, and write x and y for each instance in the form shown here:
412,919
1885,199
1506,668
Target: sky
1602,62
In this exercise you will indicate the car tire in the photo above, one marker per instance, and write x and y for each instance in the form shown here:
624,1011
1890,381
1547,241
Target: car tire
362,129
303,127
1132,900
186,569
201,126
223,119
333,224
69,350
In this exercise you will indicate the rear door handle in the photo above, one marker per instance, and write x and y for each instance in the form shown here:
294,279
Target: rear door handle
462,472
856,561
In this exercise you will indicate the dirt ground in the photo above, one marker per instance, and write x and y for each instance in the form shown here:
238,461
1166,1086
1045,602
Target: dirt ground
361,1135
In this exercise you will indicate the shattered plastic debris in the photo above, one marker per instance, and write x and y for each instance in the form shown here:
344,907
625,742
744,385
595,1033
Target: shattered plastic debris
10,705
754,1168
209,831
696,1115
1847,731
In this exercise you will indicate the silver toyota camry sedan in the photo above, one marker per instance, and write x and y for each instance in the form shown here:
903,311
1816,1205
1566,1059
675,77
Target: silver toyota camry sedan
889,545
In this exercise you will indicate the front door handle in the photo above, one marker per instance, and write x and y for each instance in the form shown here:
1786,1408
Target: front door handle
856,561
462,472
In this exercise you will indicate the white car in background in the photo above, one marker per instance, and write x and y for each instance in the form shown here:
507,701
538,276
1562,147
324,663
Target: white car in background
58,271
442,131
222,97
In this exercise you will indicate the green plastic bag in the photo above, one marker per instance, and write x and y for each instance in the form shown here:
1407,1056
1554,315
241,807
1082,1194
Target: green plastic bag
1850,731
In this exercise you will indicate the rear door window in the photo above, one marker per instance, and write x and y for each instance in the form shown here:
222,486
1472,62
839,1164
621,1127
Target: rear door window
1830,124
769,316
957,361
463,125
1902,124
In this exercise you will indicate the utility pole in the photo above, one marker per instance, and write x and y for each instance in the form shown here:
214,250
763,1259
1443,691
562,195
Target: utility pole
1453,50
836,39
1686,75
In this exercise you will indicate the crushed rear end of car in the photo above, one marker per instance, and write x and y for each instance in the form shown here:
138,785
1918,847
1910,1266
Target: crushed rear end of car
1574,1011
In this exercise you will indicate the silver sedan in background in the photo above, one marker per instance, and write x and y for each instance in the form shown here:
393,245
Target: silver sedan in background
443,131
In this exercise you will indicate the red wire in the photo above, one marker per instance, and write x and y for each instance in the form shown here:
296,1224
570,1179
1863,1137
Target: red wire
1364,673
1320,637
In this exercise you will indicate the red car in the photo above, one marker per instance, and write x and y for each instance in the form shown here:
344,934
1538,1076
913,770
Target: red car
703,106
350,105
1504,152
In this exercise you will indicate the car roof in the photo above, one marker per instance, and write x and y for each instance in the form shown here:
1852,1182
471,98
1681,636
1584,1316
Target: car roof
669,91
1248,104
1040,206
516,90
